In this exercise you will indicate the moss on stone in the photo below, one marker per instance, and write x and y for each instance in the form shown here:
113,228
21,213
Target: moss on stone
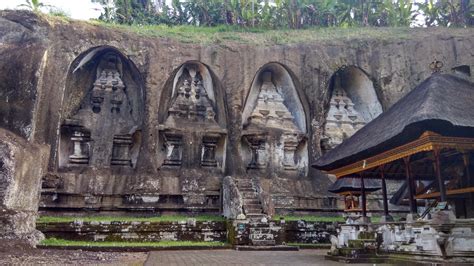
63,242
366,235
163,218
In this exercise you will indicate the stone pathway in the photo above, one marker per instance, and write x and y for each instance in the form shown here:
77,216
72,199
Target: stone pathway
233,257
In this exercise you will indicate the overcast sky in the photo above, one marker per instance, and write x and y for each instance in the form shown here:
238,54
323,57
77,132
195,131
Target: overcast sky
77,9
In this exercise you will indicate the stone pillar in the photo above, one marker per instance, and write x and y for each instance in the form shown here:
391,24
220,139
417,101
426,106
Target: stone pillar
121,150
259,152
174,149
81,150
208,152
291,142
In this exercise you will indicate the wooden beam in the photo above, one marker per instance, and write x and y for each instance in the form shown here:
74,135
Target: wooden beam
427,142
449,192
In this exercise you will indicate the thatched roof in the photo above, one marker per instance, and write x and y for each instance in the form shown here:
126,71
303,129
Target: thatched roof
442,103
348,184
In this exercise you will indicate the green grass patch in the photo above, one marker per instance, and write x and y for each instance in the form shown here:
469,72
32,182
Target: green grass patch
228,34
310,245
311,218
225,34
163,218
66,243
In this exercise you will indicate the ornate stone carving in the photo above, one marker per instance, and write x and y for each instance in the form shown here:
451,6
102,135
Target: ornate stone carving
271,115
101,130
192,116
270,110
121,150
174,149
192,102
80,153
208,153
291,142
257,144
342,120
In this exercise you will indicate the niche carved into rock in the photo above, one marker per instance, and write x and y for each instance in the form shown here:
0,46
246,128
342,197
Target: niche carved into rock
105,129
192,119
353,104
274,123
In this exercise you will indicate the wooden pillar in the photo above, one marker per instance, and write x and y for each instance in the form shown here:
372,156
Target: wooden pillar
411,185
384,193
467,166
439,177
364,199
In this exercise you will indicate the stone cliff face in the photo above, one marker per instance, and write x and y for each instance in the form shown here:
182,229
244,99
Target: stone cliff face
51,72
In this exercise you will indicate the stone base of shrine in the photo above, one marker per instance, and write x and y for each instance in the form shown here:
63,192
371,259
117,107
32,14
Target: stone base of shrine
443,238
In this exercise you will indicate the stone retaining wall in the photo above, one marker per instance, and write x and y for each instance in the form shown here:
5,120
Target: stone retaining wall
239,231
310,232
136,231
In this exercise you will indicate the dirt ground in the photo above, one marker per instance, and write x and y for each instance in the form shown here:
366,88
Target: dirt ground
26,256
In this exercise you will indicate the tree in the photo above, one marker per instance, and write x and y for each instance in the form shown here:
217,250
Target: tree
34,5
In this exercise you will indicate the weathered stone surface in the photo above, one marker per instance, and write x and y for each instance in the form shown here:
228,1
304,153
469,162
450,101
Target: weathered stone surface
22,164
136,231
44,91
309,232
232,201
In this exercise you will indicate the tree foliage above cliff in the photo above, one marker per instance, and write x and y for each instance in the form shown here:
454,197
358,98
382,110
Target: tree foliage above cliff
292,14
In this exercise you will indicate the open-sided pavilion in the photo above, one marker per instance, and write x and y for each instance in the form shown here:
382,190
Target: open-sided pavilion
427,140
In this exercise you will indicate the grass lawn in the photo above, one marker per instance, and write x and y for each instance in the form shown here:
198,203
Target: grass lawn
163,218
62,243
311,245
310,218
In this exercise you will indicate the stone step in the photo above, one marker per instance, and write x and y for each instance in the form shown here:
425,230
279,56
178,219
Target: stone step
263,242
253,210
248,201
253,205
244,185
258,224
252,194
243,181
255,216
261,236
247,190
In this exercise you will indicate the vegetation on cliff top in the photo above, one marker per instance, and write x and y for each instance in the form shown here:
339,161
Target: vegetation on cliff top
231,34
293,14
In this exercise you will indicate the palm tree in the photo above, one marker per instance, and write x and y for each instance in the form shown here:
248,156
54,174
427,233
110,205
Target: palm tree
34,5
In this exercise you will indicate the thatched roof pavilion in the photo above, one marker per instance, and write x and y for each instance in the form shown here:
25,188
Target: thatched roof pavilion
420,137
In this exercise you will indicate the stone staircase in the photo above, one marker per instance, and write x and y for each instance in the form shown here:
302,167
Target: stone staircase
263,233
252,206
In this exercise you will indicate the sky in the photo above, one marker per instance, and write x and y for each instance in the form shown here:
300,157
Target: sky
77,9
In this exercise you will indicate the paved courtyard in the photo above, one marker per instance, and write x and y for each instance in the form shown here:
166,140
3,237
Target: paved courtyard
233,257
